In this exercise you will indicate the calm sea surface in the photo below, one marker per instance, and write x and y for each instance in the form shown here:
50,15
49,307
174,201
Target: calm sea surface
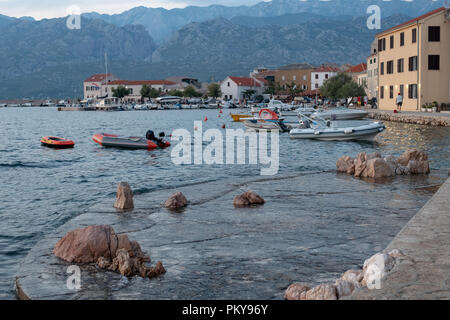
41,188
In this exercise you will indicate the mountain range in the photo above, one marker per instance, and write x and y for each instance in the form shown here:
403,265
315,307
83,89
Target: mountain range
45,59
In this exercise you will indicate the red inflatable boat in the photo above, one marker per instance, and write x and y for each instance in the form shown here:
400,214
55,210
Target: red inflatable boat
111,140
57,142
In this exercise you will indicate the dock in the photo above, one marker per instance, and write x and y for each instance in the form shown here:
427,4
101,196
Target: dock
424,271
439,119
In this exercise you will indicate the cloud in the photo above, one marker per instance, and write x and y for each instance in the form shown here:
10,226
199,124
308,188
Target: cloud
58,8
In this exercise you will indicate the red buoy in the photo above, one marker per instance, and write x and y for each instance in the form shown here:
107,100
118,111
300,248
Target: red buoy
206,119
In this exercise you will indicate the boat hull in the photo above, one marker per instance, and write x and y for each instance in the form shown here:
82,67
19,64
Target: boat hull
341,115
57,143
113,141
239,117
367,133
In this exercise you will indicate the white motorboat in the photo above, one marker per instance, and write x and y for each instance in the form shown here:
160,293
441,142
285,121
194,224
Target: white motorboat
340,114
321,129
141,107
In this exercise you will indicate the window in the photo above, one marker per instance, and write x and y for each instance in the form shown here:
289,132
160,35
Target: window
402,87
381,44
370,61
304,77
87,89
414,35
390,67
326,76
434,34
433,62
317,85
228,83
283,78
304,87
413,63
391,92
402,39
294,78
382,68
231,97
400,65
381,92
412,91
391,44
374,60
317,76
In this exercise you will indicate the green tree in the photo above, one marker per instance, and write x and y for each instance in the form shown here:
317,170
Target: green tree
248,93
341,86
214,90
175,93
145,91
190,92
120,92
293,90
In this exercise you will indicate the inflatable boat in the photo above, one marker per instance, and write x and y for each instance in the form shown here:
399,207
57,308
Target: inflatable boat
57,142
340,114
111,140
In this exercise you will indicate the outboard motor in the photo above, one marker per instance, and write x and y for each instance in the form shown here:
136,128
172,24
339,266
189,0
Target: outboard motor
162,135
150,135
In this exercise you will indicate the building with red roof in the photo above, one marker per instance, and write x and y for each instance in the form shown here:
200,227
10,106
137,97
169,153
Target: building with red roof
413,61
234,88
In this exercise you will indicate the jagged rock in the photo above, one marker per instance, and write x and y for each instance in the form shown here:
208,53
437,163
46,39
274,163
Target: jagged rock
176,201
346,164
100,244
392,162
156,271
418,167
124,200
344,288
375,268
360,164
87,245
377,168
294,291
395,253
401,170
353,276
373,156
321,292
103,263
413,154
248,198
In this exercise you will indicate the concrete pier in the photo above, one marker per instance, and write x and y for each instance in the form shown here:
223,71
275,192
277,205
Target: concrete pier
440,119
424,271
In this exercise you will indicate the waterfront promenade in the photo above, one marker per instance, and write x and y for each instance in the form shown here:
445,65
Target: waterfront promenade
424,270
423,118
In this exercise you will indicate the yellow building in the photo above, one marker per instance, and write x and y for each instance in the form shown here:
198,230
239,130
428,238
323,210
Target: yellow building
413,60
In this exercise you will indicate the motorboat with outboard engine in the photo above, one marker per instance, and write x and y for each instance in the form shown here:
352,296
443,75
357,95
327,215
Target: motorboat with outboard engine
111,140
322,129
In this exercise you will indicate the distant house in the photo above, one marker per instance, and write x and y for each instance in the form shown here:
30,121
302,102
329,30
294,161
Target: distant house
135,87
233,88
183,82
95,86
319,75
299,74
372,76
356,71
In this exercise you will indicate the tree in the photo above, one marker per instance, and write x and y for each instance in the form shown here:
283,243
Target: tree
120,92
214,90
248,93
293,90
190,92
149,92
341,86
175,93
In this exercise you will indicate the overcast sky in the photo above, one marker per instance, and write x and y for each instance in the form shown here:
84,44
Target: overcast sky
58,8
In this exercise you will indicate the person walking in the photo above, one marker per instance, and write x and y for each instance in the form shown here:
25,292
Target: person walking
399,102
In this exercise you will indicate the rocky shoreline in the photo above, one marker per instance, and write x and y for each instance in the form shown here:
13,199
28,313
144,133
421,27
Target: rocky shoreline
217,246
428,120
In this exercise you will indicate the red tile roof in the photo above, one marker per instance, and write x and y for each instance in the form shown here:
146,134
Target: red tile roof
141,82
264,81
362,67
245,82
413,20
98,77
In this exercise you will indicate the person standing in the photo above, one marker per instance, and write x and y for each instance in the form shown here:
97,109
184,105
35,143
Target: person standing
399,102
